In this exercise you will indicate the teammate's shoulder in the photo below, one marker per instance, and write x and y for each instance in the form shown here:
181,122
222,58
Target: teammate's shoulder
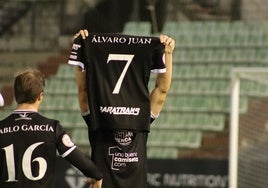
5,119
48,119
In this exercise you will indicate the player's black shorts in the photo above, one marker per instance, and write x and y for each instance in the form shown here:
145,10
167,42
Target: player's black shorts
121,155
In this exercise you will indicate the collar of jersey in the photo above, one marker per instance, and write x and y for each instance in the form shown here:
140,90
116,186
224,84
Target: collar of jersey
19,111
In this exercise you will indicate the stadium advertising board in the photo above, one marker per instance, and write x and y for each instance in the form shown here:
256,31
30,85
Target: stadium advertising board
162,174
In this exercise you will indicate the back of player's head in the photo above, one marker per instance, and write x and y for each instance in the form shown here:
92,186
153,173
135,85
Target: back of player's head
28,85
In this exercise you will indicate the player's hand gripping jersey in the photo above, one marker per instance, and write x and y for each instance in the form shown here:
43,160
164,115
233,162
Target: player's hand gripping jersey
118,70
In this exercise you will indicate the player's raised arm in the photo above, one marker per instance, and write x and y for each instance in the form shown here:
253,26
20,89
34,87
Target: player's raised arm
163,80
81,87
81,83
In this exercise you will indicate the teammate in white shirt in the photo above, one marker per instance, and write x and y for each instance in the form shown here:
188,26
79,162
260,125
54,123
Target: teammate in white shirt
2,102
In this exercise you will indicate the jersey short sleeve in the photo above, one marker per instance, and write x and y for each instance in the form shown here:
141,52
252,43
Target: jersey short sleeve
76,56
64,143
118,69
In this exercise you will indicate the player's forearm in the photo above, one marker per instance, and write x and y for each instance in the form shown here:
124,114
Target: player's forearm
157,100
158,96
82,92
84,164
83,102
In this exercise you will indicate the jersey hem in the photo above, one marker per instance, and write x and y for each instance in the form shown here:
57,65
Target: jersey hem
77,63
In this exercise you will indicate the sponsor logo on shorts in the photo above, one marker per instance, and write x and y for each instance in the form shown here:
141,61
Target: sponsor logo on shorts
121,159
123,138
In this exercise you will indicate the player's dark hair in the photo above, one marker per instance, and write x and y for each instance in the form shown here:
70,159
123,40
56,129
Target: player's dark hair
28,85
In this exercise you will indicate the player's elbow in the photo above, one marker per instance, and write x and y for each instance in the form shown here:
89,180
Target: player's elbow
163,92
163,84
164,88
81,88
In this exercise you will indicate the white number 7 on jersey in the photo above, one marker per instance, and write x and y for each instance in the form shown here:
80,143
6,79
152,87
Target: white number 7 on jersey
120,57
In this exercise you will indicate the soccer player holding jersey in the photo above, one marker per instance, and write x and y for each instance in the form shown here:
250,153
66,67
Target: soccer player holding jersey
112,76
29,141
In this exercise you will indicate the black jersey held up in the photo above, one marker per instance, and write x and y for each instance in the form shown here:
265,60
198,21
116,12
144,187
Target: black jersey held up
118,70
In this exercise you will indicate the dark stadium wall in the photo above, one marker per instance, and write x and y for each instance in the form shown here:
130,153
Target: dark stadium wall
162,173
